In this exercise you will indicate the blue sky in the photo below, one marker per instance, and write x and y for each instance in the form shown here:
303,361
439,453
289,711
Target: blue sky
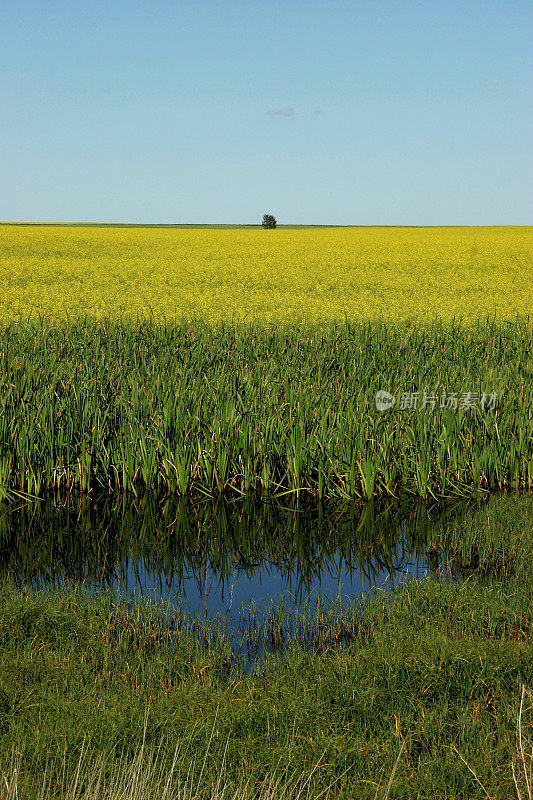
398,112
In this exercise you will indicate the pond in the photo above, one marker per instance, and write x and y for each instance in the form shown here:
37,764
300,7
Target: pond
216,558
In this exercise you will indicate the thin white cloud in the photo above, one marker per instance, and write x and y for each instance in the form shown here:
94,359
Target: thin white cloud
288,111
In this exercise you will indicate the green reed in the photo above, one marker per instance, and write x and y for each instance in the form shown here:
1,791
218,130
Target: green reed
189,408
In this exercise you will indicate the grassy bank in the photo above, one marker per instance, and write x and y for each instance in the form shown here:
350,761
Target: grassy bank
433,673
192,408
440,666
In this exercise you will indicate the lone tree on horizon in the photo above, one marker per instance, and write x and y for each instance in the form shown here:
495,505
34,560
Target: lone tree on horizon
269,221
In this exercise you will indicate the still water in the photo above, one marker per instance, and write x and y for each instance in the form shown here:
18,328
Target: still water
214,557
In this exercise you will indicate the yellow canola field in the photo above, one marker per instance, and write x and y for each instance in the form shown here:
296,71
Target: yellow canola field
298,275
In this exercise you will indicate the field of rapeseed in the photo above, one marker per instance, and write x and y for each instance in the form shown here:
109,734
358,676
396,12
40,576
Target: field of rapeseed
292,275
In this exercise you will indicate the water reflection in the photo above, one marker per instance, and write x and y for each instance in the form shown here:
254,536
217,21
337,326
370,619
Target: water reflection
215,556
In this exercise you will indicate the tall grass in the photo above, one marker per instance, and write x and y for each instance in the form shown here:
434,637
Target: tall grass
190,408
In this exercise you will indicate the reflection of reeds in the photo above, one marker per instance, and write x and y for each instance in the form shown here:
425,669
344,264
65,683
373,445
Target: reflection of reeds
190,408
174,541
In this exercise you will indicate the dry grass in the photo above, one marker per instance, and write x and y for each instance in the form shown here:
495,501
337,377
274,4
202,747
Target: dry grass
522,761
149,776
522,764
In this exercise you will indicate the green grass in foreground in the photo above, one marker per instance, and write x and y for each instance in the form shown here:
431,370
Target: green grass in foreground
188,407
434,670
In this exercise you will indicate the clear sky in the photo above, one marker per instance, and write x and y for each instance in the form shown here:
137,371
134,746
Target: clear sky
373,112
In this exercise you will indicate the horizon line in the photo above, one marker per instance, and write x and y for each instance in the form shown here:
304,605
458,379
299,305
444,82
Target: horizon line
89,224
